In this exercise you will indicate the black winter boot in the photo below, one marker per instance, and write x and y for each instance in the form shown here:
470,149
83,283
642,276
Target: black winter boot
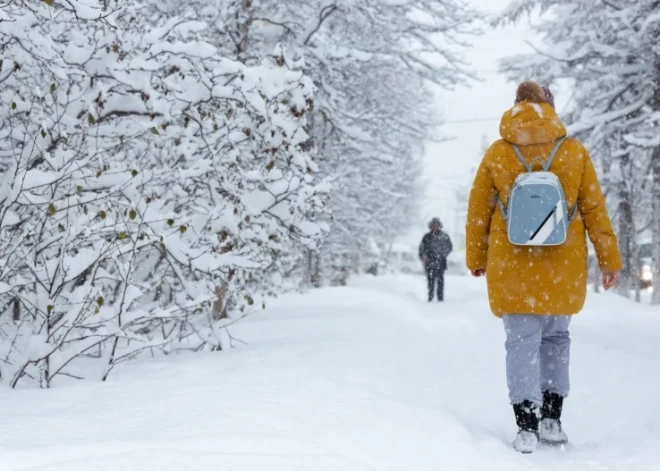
550,429
528,424
552,405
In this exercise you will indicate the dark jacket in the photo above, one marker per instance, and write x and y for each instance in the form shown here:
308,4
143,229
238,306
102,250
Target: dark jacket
435,247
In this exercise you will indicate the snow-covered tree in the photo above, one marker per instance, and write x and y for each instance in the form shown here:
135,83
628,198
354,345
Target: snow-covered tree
372,63
609,50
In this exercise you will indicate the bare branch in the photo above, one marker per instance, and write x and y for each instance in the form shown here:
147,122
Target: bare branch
323,15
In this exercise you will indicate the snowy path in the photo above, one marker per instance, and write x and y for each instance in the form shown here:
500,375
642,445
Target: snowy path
361,378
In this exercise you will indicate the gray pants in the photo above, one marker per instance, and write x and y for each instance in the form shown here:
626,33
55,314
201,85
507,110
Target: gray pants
538,350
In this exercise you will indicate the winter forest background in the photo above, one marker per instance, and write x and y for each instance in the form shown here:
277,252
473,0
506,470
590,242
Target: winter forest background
168,166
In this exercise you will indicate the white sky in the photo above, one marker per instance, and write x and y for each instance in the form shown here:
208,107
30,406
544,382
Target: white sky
451,163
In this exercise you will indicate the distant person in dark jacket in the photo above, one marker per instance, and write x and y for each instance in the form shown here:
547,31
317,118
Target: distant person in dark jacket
433,252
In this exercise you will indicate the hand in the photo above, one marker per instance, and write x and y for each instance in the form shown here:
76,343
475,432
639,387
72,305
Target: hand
610,279
479,273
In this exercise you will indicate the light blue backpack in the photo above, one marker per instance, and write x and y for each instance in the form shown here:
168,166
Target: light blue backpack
536,212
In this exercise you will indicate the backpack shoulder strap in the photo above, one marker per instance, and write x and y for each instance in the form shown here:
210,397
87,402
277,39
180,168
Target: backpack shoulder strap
546,165
502,208
516,149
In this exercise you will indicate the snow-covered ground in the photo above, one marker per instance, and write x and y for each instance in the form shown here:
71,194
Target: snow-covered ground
367,377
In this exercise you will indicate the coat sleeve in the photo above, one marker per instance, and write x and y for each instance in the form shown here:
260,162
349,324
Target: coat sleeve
593,209
448,246
422,248
482,202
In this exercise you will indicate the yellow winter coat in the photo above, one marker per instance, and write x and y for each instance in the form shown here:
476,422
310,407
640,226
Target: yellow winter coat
537,280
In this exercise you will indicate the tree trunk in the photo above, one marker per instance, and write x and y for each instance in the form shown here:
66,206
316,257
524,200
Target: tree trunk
388,256
246,17
312,275
626,241
356,263
314,267
637,285
655,165
220,304
16,310
307,272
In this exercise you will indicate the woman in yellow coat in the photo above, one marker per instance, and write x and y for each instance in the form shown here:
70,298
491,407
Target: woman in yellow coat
537,289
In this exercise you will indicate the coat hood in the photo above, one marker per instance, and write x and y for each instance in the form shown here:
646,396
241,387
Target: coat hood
530,123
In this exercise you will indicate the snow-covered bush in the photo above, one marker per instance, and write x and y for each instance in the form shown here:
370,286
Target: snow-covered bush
147,181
